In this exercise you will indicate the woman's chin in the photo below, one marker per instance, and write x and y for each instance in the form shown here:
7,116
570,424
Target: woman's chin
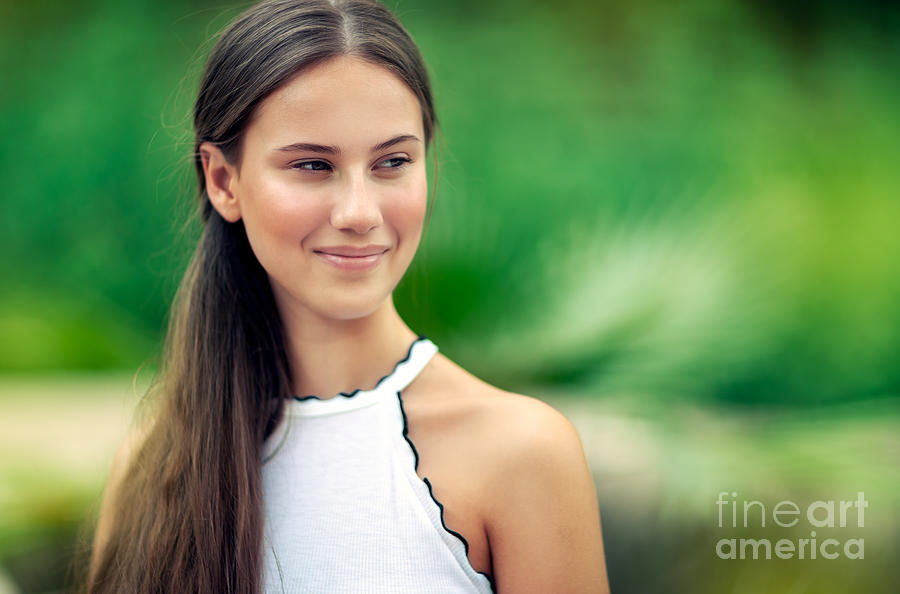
346,307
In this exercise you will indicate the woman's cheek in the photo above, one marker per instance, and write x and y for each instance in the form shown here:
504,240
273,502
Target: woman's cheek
412,201
279,224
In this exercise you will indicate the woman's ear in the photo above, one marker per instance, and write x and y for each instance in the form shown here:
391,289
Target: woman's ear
220,181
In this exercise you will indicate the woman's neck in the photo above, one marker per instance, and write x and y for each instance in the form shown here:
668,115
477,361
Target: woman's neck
329,356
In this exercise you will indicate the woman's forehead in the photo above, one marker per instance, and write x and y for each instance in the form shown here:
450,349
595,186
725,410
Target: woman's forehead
343,101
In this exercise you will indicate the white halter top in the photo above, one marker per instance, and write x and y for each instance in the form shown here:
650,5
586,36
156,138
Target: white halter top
345,510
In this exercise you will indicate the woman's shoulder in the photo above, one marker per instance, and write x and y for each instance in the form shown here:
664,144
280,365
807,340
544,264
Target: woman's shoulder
497,417
537,498
506,437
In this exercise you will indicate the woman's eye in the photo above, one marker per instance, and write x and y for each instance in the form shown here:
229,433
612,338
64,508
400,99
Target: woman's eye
394,162
312,166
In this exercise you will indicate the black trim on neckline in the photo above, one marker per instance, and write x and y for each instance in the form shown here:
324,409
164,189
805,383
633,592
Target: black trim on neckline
425,480
378,383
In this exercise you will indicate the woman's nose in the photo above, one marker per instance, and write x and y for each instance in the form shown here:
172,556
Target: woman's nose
356,206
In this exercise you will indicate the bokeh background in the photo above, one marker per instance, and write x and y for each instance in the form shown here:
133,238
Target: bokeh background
675,221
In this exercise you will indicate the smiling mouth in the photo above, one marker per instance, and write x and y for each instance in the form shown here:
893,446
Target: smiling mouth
339,255
352,251
346,262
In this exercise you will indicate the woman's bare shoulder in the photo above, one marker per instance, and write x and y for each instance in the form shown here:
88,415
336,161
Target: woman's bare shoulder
497,417
505,435
539,502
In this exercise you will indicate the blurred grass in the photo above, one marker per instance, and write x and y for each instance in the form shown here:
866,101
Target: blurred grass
57,436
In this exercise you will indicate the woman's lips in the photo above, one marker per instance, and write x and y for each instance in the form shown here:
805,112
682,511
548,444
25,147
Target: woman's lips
351,262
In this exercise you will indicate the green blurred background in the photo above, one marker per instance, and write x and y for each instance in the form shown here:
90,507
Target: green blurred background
675,221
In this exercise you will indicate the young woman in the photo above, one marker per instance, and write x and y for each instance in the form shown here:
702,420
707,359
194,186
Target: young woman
304,438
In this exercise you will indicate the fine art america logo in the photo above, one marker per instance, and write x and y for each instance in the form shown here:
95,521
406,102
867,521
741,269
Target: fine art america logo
734,513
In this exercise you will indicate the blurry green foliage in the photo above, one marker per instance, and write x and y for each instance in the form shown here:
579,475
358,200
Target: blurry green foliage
694,198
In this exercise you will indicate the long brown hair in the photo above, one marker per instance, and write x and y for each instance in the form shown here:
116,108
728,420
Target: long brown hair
187,515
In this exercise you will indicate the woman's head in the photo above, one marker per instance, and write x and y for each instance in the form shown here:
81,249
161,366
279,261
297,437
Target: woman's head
331,189
342,76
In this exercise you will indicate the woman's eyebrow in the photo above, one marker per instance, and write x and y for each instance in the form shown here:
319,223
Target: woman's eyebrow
311,147
393,141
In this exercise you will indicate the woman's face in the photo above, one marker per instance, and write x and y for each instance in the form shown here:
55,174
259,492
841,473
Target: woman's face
332,167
